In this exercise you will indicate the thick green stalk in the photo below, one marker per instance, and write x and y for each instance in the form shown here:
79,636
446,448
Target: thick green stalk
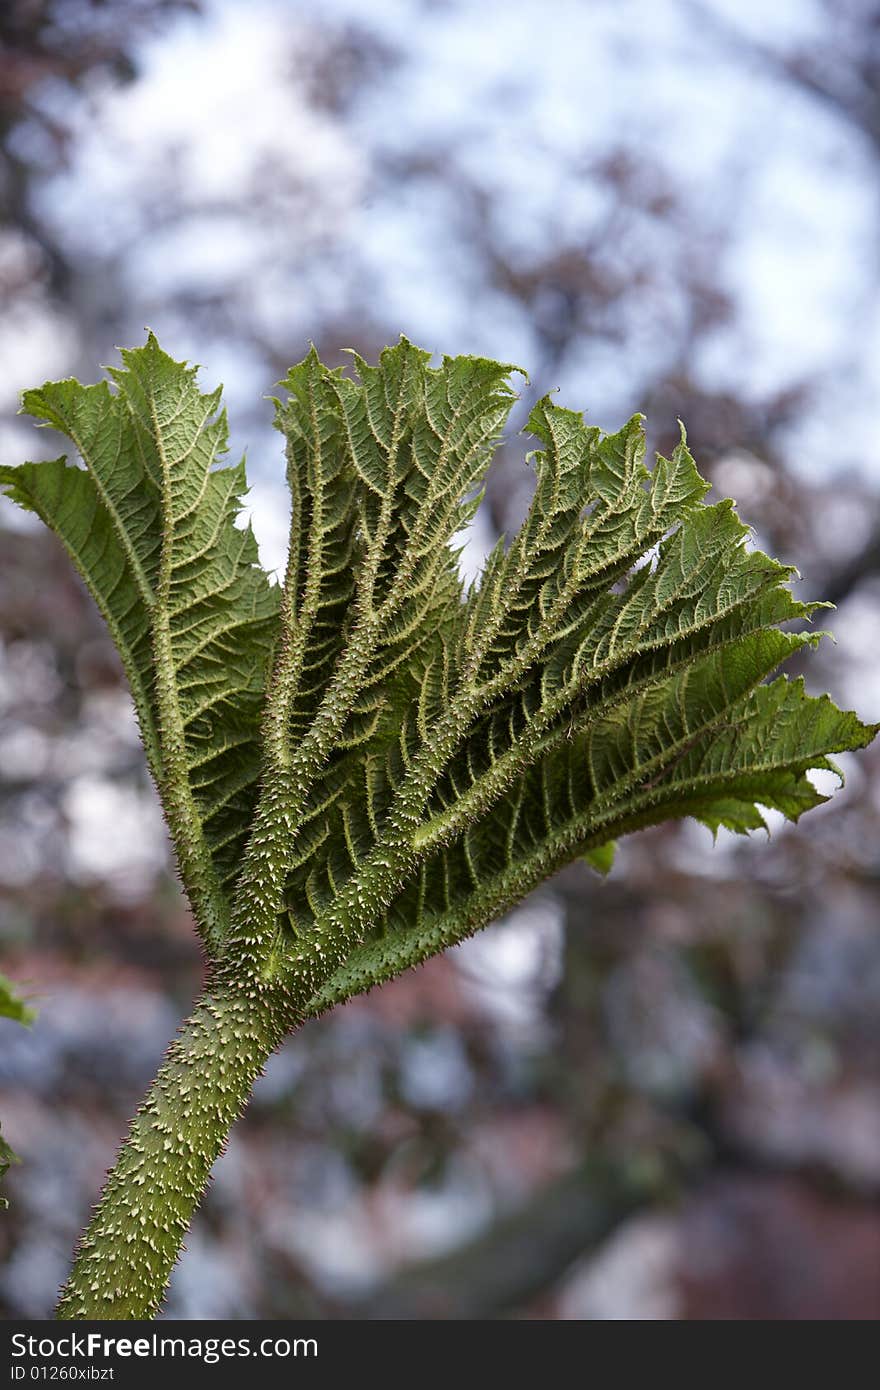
425,756
193,856
126,1256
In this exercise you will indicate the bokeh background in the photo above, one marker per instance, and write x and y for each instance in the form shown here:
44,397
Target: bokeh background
656,1096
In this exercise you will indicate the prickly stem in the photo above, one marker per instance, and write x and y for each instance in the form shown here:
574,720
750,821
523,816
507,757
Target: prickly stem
371,763
127,1253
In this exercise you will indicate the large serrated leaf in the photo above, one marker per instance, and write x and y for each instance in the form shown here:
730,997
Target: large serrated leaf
423,753
150,522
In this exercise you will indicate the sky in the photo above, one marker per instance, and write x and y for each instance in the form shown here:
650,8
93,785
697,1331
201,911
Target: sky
220,117
162,187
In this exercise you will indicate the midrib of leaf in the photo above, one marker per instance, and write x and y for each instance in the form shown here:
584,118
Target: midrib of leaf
425,756
290,775
539,652
406,841
144,586
484,792
196,866
296,619
398,855
145,515
381,959
286,788
542,737
370,963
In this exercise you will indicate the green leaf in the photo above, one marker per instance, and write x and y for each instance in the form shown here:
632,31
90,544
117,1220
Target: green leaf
11,1006
389,465
602,858
149,521
624,689
422,754
7,1158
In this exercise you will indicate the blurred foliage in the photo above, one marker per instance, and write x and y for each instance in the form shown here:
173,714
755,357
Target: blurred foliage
691,1045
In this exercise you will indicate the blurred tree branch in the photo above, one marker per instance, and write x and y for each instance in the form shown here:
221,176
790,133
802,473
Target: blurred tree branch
845,77
525,1252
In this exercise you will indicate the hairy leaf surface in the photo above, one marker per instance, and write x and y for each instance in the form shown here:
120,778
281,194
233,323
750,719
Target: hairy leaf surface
149,521
422,754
